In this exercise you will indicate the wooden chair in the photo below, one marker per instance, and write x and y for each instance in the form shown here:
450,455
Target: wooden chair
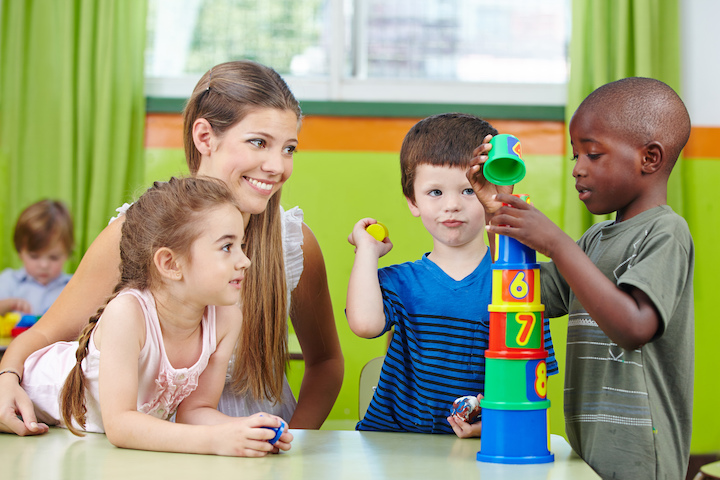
710,471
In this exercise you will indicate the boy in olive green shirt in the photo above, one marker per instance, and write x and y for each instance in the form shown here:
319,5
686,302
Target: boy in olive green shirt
627,285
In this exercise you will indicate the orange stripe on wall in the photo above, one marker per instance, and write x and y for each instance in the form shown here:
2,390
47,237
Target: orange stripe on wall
353,133
386,134
703,143
363,134
320,133
163,130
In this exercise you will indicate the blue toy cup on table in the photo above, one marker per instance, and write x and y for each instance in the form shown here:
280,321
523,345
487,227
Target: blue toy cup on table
515,437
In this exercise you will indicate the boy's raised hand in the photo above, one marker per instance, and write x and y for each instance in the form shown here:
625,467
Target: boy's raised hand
484,190
361,239
525,223
364,304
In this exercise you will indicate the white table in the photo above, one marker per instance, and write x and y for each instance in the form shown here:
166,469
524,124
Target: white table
315,455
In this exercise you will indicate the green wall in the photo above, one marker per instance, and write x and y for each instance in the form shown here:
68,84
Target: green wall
335,189
703,215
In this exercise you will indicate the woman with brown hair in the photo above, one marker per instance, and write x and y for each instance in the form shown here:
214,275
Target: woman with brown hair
240,125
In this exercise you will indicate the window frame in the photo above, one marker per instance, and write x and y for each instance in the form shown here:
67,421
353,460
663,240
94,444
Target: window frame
546,100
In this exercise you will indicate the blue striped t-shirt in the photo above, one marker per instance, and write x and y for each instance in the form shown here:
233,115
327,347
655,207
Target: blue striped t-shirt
441,328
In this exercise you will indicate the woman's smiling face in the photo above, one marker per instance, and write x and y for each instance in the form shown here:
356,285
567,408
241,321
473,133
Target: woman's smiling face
254,157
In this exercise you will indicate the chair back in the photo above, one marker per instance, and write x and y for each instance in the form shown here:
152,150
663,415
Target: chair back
369,376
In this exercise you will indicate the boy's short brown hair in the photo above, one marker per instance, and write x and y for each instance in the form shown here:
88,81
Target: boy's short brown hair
43,223
447,139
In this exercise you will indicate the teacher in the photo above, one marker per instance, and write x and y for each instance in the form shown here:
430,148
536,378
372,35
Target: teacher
240,125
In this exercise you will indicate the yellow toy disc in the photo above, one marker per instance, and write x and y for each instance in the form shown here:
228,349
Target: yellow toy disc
378,231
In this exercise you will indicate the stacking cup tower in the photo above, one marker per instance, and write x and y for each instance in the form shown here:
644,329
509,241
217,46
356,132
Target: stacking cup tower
515,406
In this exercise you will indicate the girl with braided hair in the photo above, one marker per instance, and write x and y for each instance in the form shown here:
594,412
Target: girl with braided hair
165,336
241,126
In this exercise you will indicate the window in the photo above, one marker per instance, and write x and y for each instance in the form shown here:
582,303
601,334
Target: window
429,51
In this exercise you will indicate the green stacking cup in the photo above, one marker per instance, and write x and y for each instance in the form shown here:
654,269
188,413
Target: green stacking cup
504,165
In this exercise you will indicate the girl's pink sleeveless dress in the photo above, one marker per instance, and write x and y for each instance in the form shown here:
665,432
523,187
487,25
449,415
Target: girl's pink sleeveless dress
161,387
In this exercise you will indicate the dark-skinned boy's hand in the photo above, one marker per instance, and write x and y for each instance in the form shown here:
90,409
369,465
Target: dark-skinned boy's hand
484,190
525,223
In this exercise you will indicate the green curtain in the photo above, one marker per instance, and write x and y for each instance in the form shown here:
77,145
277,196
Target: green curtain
72,110
613,39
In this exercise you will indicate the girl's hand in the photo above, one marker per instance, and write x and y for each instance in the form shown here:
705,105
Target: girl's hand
484,190
13,402
525,223
360,238
246,437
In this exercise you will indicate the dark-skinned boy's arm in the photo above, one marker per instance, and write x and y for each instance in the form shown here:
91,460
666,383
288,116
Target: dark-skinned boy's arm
627,316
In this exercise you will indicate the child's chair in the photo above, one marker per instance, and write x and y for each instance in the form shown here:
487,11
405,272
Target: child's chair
369,376
709,471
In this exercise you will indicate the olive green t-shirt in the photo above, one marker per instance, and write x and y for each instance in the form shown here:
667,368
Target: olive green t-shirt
628,413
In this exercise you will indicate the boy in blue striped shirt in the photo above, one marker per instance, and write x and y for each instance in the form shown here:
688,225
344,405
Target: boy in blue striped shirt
437,306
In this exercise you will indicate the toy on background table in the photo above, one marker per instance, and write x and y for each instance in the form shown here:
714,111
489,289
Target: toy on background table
515,406
466,408
378,231
504,165
8,322
26,321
